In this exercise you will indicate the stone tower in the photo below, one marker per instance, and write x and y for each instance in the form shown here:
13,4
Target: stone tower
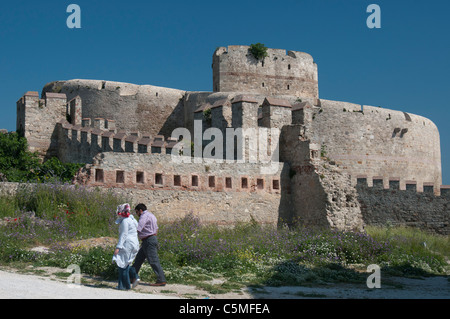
235,69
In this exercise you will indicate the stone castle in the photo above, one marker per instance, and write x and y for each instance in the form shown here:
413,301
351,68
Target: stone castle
341,165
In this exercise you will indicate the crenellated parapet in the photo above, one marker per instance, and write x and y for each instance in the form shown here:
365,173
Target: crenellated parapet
160,172
80,143
36,119
404,203
397,184
335,163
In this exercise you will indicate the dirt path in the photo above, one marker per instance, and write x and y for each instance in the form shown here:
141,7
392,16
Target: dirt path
51,283
22,286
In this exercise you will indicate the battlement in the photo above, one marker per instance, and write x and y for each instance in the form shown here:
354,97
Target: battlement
80,143
331,152
36,120
159,172
399,203
397,184
376,141
235,69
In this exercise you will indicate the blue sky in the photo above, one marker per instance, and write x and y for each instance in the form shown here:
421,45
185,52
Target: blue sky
404,66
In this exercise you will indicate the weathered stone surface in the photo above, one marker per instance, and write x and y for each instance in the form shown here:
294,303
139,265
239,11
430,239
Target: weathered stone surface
146,108
362,140
236,69
396,207
123,132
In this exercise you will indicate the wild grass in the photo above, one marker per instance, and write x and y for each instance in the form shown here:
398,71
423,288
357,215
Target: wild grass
75,211
415,252
216,259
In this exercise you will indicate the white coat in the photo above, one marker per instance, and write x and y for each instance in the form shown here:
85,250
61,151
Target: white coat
128,241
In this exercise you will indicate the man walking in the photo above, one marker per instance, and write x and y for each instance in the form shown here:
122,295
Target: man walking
147,231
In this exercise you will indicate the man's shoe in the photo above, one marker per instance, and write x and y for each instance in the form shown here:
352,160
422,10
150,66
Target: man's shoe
135,283
158,284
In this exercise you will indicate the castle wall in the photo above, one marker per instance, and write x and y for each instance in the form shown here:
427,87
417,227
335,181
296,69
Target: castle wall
322,194
36,119
212,207
235,69
276,113
214,191
374,141
123,132
194,100
382,206
145,108
81,143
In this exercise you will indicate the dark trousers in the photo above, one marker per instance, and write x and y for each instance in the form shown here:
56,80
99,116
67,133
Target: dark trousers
125,276
149,251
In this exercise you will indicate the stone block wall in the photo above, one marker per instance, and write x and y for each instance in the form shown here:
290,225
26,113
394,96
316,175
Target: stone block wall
223,193
144,108
160,171
80,144
374,141
244,112
276,113
383,206
218,208
36,119
74,110
322,194
235,69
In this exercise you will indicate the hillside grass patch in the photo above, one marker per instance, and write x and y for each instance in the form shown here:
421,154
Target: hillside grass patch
209,257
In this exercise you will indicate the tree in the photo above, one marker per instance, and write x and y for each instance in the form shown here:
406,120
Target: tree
258,50
17,164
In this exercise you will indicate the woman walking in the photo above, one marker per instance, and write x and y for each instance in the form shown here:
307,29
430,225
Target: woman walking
127,247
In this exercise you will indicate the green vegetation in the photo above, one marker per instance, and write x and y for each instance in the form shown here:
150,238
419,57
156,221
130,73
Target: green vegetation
414,252
207,116
17,164
192,253
259,51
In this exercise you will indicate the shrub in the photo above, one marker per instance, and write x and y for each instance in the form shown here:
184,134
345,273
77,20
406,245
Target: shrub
414,252
12,251
258,50
98,262
54,170
17,164
207,116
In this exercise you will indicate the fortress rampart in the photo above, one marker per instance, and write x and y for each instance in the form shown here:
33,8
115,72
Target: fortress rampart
123,133
382,206
80,143
374,141
145,108
36,119
215,192
292,73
